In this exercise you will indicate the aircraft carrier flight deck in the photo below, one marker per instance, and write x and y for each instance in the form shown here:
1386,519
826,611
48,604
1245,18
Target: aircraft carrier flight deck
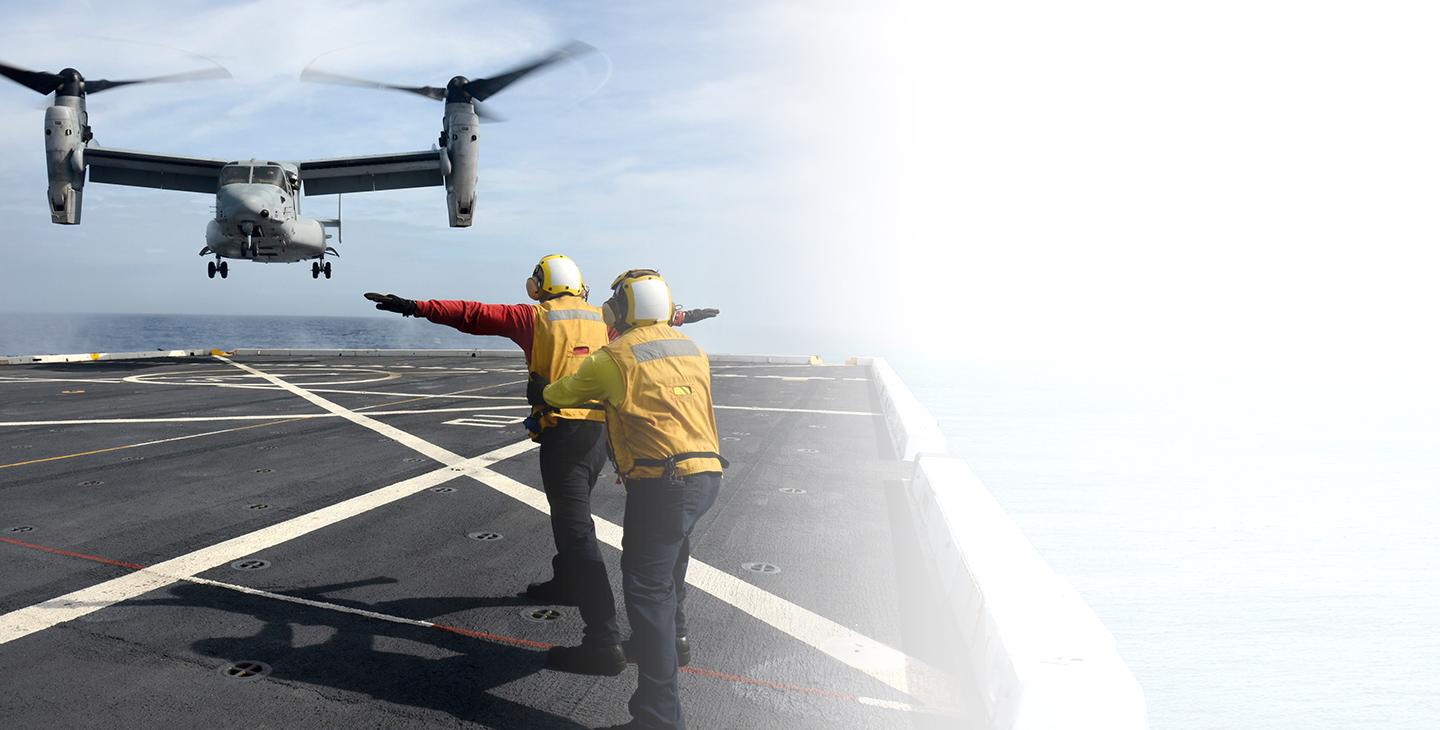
302,540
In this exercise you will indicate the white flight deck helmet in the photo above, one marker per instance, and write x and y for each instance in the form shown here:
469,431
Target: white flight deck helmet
555,276
640,297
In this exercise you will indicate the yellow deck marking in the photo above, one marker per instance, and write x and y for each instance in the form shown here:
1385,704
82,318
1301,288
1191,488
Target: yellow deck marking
147,443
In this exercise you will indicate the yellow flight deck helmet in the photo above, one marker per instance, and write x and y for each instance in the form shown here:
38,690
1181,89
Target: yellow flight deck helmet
554,276
640,297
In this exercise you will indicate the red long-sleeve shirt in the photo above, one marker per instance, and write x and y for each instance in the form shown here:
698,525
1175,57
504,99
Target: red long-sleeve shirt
515,321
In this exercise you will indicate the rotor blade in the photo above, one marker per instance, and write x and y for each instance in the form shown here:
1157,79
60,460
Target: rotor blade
483,89
325,77
99,85
485,114
39,81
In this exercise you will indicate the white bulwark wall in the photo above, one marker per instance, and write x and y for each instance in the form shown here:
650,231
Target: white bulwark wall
1042,658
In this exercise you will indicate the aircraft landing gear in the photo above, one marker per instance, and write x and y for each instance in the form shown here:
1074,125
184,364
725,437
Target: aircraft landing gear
210,269
317,268
224,269
326,269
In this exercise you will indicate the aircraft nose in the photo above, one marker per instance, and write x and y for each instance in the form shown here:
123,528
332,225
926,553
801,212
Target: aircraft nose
246,204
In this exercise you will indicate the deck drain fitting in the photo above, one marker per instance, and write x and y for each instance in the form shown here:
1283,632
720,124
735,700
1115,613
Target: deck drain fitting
250,564
442,490
766,568
259,505
263,471
485,536
90,483
21,528
542,615
245,670
792,490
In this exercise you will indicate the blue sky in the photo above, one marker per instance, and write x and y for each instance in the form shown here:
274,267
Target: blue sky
679,148
1226,187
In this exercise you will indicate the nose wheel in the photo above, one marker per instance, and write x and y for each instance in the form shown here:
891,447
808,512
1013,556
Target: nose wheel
222,268
317,268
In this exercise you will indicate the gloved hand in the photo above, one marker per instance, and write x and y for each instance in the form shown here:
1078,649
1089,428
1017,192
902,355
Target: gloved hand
392,303
695,315
535,391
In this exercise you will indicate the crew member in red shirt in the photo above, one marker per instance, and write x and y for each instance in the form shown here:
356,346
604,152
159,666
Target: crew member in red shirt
557,332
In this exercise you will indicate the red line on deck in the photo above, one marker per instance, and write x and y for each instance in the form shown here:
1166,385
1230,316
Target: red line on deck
484,636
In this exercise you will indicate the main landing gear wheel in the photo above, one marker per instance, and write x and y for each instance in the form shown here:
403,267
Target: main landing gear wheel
210,269
224,269
315,270
326,269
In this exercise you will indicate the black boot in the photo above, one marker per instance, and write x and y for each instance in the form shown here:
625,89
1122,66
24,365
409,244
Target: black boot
606,661
682,651
552,593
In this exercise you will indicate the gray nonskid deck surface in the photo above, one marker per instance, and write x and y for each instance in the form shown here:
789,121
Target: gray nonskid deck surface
812,490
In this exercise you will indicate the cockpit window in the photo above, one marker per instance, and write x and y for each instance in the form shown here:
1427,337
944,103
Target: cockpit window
234,174
270,174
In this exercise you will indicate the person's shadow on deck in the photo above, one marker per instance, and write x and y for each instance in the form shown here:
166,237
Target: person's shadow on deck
372,656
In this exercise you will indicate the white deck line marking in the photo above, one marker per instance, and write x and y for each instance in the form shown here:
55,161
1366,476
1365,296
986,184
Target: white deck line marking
796,410
442,455
25,621
850,647
880,661
206,419
256,386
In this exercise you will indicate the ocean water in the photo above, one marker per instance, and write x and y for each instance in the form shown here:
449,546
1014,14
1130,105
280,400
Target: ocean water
1264,548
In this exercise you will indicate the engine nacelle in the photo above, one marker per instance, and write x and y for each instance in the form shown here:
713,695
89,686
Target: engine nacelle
462,131
65,162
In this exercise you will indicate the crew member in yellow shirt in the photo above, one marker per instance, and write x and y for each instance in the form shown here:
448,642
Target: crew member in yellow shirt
654,384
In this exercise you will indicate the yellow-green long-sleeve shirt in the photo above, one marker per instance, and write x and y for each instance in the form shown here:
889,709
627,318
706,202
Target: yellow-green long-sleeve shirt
597,379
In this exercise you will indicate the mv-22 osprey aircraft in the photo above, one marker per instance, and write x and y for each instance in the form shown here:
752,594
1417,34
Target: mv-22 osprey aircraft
257,202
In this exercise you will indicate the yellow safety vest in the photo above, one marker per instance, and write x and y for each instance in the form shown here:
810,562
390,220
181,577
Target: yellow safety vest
567,330
666,424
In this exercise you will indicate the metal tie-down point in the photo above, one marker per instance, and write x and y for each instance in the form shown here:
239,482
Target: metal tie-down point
542,615
793,490
90,483
485,536
21,528
259,505
767,568
442,490
245,669
250,564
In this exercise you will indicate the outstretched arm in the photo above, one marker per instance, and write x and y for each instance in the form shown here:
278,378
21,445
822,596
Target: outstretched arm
683,316
514,321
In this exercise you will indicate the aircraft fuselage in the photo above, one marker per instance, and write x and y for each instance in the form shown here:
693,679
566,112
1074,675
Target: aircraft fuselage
257,216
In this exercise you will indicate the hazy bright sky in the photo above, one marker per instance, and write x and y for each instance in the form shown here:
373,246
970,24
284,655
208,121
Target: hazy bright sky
1214,186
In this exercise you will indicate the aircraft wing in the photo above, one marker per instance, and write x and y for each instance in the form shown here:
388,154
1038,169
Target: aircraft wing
149,170
373,172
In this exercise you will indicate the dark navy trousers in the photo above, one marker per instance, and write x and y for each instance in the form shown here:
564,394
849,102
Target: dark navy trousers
659,517
572,453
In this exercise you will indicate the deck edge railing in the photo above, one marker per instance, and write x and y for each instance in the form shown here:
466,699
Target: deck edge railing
1040,655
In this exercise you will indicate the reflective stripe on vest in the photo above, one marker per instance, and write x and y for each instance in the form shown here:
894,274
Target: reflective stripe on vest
664,427
557,315
567,330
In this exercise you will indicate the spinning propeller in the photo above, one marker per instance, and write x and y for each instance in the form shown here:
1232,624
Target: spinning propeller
460,90
69,82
